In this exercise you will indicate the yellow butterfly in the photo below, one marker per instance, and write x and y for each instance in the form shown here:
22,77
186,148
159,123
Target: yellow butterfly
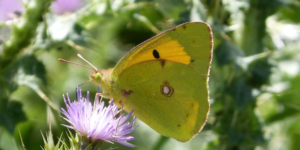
164,80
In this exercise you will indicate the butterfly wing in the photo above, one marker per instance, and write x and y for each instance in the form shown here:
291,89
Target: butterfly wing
164,80
189,43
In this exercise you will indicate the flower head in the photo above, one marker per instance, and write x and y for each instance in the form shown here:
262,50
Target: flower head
98,122
9,7
63,6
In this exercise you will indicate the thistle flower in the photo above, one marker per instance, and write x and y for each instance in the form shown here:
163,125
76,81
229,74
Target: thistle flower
97,122
8,8
62,6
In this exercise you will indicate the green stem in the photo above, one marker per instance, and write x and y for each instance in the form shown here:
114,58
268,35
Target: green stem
255,25
160,143
24,31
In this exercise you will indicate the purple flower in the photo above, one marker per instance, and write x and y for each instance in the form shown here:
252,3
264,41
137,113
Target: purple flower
63,6
98,122
8,8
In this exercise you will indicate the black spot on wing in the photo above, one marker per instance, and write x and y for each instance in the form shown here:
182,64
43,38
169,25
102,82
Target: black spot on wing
155,54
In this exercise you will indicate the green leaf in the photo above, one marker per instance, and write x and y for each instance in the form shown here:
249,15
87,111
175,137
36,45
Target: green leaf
290,11
26,65
288,102
29,65
7,141
260,72
176,9
11,114
226,52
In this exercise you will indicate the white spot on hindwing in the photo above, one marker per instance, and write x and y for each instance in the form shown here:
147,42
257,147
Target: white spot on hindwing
166,89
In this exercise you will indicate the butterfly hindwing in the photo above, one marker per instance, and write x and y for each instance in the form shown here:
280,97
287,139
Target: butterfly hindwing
166,98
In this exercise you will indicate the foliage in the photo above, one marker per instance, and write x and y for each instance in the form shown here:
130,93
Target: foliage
254,79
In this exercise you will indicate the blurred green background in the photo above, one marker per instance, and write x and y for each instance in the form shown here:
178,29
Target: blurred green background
254,81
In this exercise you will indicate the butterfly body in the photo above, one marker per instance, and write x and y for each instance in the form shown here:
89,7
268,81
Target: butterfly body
164,80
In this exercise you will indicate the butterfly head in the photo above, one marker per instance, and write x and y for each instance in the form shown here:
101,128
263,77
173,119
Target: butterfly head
100,76
96,77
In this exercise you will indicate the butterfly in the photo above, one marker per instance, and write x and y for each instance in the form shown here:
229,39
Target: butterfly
164,80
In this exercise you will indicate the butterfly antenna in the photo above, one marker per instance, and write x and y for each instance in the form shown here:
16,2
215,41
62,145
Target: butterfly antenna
62,60
84,83
87,62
